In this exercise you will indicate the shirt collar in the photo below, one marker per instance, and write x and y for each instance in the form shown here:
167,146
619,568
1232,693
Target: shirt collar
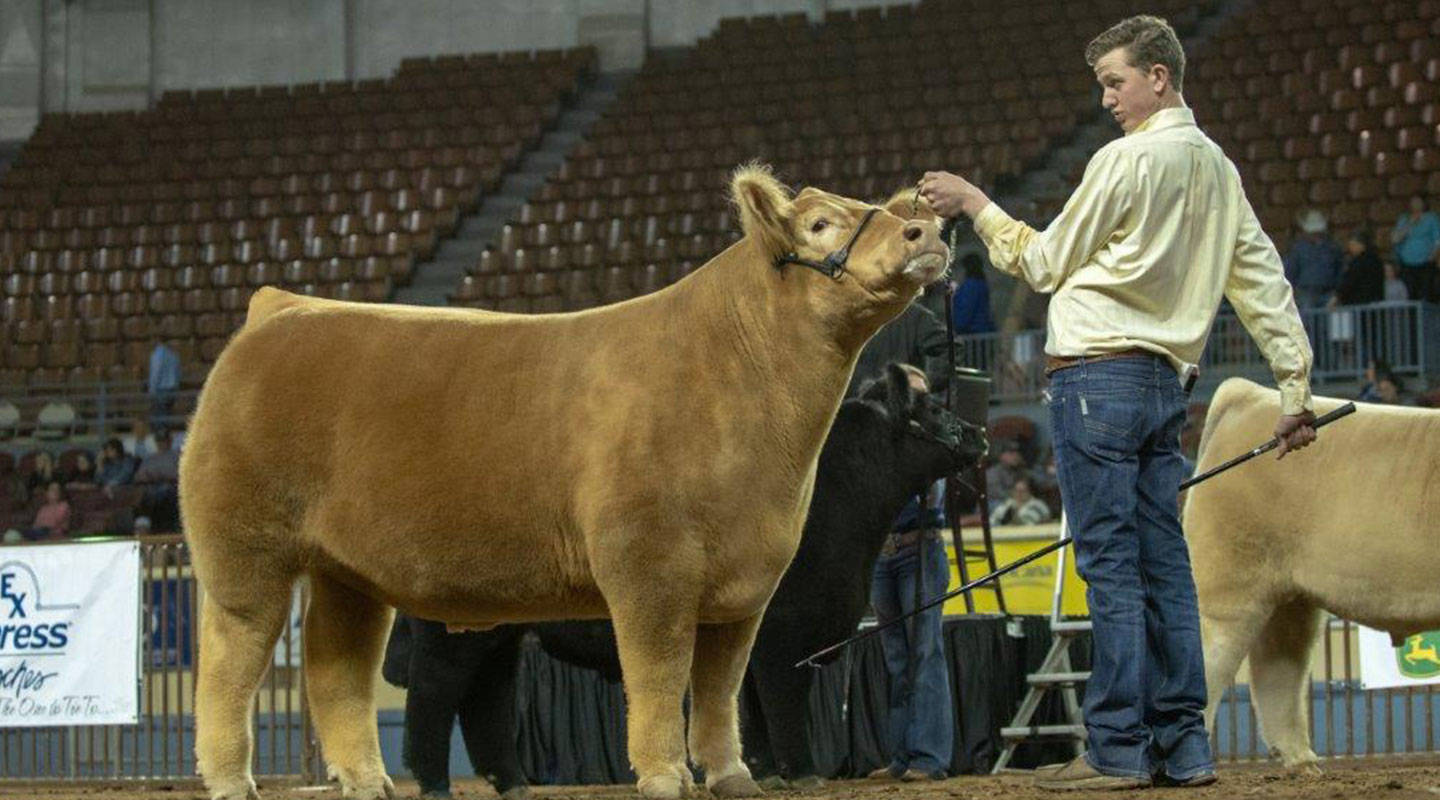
1167,118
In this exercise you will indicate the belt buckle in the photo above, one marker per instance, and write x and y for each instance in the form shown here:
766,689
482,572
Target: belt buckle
889,548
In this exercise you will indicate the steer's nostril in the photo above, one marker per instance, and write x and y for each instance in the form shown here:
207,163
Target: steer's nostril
913,232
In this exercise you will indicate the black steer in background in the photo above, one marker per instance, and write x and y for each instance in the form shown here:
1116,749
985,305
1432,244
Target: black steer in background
886,447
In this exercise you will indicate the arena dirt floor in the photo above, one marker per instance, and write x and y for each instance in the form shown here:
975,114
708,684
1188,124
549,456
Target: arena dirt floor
1400,778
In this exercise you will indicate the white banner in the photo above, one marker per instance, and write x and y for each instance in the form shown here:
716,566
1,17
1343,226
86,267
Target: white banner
70,635
1416,662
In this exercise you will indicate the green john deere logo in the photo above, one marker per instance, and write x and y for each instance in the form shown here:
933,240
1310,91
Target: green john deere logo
1418,657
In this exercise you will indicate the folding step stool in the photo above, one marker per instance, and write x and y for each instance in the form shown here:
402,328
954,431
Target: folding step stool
1055,673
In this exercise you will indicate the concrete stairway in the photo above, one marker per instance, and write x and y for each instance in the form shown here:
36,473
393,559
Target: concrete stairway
433,279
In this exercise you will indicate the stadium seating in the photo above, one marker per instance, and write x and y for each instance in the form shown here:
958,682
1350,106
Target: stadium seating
117,226
861,104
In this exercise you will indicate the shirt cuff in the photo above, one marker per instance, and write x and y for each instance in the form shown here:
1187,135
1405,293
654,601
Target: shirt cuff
990,220
1296,399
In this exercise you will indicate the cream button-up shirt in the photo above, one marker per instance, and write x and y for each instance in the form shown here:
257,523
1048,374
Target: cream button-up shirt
1139,257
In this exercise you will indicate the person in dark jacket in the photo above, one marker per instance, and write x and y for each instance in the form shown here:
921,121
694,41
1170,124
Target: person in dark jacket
915,337
1363,277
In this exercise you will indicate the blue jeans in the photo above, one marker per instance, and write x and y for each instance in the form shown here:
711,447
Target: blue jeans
1116,428
920,726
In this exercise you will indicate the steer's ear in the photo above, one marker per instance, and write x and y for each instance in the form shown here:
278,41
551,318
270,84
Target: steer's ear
900,397
766,210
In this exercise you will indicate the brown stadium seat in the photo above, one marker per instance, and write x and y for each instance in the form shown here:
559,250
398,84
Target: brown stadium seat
176,326
101,328
153,280
200,301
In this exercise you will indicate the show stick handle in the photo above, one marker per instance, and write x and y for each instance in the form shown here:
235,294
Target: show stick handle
1320,422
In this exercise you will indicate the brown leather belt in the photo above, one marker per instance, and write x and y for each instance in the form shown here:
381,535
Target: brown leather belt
1056,363
896,542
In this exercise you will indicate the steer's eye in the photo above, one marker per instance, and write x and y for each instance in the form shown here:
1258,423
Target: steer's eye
819,225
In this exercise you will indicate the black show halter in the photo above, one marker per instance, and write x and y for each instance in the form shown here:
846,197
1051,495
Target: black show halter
834,264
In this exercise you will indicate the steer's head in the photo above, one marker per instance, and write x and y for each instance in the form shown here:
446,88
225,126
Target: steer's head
891,260
933,441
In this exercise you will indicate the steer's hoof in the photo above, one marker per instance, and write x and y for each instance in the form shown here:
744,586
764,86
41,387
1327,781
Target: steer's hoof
239,790
381,790
807,782
773,783
664,787
736,786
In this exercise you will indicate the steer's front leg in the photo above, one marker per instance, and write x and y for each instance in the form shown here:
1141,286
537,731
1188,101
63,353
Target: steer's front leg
721,653
656,639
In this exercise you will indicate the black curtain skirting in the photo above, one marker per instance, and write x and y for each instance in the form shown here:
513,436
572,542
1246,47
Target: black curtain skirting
572,722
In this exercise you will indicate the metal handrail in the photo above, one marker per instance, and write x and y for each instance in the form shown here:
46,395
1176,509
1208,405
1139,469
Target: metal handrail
1405,334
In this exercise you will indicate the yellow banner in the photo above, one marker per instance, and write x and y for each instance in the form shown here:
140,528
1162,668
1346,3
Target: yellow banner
1028,590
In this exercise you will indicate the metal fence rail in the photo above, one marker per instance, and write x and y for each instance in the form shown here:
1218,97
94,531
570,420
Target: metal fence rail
161,745
1406,335
100,408
1345,720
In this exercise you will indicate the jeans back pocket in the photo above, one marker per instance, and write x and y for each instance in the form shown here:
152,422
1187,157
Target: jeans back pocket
1112,421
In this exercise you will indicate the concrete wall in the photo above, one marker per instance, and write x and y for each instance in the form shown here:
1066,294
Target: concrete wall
100,55
21,35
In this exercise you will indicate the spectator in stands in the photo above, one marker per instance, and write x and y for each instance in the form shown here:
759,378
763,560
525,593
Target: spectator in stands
163,383
919,728
160,474
1136,263
117,468
139,442
1008,468
1395,289
161,466
972,298
52,520
45,473
1021,507
82,476
1416,238
1388,390
1363,279
1375,369
1314,262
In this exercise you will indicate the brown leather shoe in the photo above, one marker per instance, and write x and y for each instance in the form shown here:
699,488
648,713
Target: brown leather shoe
1203,779
1078,775
1046,769
918,776
882,774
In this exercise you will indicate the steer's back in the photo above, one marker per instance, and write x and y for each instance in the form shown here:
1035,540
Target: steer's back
380,441
1342,521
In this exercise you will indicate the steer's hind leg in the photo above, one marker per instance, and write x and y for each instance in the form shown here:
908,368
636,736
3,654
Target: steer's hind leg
1280,682
344,641
721,653
238,632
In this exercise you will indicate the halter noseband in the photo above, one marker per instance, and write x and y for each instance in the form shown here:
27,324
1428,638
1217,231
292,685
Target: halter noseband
834,264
